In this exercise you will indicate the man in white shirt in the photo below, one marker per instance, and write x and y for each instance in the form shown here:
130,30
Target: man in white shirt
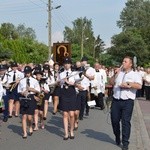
126,82
98,86
89,76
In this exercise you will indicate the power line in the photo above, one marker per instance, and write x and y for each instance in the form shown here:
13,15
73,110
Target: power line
43,2
35,4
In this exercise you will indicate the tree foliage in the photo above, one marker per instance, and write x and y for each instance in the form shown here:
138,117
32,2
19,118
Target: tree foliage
129,43
19,44
134,40
136,14
82,31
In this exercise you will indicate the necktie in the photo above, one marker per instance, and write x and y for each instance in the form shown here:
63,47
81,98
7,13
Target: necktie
28,82
67,73
14,76
55,75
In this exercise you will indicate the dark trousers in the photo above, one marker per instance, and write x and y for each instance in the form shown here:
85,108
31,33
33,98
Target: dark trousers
99,100
147,92
122,111
6,100
83,96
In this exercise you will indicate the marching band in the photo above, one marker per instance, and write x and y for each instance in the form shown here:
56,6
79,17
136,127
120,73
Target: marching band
30,88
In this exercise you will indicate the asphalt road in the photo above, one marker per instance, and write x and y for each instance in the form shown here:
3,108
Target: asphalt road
94,133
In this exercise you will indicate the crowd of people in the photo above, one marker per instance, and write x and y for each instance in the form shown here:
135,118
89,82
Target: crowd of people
29,87
27,90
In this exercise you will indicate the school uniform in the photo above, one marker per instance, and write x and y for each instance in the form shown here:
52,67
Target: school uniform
67,92
46,95
33,83
55,78
10,77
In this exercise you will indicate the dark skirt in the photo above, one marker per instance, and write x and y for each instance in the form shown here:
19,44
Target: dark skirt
40,107
68,99
56,91
14,94
46,97
27,106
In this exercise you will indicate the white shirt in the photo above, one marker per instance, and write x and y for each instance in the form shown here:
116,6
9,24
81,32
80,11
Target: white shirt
50,79
8,78
85,85
63,74
33,84
104,79
97,82
147,78
54,77
1,90
120,93
45,86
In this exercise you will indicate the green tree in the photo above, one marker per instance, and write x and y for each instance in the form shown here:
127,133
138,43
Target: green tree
8,31
19,44
136,14
98,48
81,33
129,42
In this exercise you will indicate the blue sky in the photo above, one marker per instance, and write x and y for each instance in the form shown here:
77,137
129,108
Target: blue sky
33,13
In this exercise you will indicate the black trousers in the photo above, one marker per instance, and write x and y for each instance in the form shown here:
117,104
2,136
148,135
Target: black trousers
147,92
99,99
122,111
83,96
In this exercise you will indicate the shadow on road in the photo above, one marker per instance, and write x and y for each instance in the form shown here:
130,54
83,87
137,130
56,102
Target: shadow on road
56,121
54,130
16,129
98,135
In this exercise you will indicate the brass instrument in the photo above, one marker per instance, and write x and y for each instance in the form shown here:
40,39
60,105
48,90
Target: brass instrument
13,86
41,97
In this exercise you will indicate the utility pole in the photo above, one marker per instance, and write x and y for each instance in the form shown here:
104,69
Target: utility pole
49,28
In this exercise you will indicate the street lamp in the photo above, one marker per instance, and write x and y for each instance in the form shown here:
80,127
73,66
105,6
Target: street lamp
50,8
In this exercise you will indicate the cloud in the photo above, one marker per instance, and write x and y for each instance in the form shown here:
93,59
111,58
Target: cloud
57,37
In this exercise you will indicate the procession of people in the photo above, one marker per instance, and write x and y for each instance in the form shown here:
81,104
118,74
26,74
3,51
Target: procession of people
28,89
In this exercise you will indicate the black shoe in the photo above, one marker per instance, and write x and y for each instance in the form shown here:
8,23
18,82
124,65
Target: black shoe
54,113
30,133
9,116
75,128
72,137
5,119
80,118
16,116
24,137
66,138
102,108
125,148
44,118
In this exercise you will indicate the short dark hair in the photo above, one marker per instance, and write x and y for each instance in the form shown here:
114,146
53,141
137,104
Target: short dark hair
131,59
